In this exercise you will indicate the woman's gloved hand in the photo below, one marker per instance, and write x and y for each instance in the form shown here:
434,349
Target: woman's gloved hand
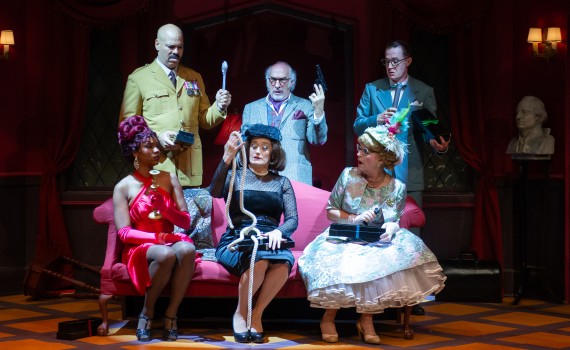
170,211
391,229
166,238
157,201
367,216
275,237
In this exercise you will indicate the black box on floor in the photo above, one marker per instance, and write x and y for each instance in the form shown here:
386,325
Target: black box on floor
471,280
71,330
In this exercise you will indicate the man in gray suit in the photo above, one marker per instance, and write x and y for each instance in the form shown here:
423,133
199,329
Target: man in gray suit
301,122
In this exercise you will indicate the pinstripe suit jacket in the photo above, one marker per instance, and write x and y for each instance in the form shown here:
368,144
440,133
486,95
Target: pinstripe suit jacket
298,133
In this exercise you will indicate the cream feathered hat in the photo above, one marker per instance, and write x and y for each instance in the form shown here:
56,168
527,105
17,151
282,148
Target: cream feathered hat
386,134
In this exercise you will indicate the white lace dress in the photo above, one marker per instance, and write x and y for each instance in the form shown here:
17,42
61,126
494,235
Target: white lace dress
368,277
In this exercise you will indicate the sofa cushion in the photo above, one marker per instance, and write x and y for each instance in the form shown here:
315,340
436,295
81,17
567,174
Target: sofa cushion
199,204
213,272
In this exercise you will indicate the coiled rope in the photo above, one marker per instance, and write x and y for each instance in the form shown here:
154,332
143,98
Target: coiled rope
243,232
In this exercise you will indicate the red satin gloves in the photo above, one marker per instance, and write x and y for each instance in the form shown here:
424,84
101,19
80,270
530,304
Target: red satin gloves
169,210
132,236
166,238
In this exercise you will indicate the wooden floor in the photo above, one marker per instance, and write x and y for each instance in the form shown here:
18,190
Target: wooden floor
33,324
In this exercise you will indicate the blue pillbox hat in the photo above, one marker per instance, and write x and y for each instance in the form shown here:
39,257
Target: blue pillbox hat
261,130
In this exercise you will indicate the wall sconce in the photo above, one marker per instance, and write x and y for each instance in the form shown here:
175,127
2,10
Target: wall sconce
536,36
6,39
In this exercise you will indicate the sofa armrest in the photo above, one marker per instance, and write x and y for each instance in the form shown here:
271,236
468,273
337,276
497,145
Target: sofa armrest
413,215
103,214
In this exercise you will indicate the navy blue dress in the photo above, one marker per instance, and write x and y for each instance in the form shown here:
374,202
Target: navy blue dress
267,197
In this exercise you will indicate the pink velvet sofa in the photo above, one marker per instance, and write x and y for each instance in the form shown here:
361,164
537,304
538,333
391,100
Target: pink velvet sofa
211,279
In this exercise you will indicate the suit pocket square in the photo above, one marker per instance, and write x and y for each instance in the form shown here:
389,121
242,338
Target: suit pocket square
298,115
417,104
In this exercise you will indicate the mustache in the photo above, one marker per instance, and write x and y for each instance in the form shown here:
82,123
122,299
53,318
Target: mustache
174,55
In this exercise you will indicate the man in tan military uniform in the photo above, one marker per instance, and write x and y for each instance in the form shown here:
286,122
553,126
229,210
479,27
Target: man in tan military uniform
169,104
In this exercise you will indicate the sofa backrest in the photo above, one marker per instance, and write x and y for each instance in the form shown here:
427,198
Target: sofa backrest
413,215
219,222
311,204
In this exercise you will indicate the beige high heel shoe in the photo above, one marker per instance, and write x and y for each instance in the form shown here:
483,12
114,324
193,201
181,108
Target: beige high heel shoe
329,338
370,339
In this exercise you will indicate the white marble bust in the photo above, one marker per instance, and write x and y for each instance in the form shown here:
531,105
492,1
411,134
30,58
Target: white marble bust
533,139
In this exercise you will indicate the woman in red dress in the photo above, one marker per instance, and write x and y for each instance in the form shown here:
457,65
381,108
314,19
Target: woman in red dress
146,209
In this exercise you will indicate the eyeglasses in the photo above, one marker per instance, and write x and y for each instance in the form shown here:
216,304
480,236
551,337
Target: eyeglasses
394,61
282,81
362,149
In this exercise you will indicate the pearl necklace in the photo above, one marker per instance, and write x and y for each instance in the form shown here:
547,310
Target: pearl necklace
376,183
258,174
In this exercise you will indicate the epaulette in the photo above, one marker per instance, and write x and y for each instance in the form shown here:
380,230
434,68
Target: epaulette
139,68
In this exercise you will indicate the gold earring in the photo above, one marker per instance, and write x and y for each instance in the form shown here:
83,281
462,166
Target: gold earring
136,163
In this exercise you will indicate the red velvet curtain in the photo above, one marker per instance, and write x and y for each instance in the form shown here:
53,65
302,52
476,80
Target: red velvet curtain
467,23
58,58
441,15
59,61
102,12
567,179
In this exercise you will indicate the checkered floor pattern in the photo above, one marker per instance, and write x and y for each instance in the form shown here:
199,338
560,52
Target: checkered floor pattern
32,324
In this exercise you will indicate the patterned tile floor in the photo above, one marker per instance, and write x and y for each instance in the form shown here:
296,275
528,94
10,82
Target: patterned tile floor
32,324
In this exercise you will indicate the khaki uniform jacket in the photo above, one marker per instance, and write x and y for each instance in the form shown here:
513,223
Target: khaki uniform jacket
150,93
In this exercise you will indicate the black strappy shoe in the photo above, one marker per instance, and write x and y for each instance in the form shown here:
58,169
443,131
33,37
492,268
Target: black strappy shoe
170,333
144,334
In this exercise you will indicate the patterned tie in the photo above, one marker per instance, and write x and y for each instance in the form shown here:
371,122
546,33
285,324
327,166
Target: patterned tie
397,95
172,77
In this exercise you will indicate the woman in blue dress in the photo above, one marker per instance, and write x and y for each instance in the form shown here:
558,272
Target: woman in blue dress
400,272
267,195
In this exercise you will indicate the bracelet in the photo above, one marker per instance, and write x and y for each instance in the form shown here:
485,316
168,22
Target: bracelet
351,218
443,152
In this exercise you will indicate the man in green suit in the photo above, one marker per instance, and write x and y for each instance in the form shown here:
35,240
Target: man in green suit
381,99
172,97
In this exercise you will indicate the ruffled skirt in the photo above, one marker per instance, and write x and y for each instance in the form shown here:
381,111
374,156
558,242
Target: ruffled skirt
370,278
